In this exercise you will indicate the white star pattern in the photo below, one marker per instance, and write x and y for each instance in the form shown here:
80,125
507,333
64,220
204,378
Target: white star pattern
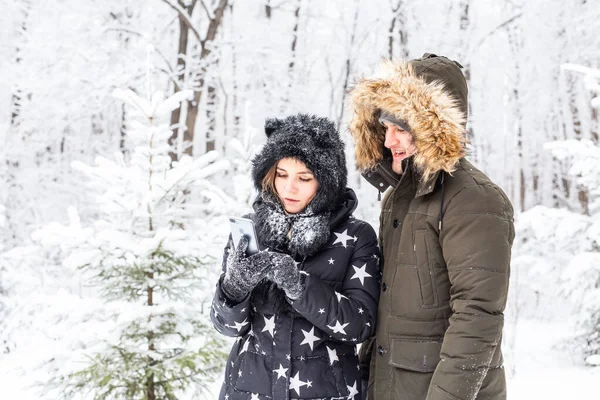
255,396
239,325
353,391
340,296
240,373
245,346
342,238
360,310
243,309
269,325
280,371
226,397
361,274
309,384
296,383
331,261
309,338
321,310
333,357
339,328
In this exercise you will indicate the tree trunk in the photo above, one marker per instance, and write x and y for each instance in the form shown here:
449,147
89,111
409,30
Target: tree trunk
192,111
122,132
180,77
515,39
292,63
17,94
211,116
348,63
398,20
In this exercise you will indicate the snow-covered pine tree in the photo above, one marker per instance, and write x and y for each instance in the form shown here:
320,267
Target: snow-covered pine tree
148,252
563,247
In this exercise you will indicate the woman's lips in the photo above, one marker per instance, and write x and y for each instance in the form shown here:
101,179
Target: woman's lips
291,200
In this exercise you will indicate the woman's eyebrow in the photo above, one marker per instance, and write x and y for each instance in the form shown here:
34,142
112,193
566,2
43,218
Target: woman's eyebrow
299,173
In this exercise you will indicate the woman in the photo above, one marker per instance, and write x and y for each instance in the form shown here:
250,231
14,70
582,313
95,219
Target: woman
300,307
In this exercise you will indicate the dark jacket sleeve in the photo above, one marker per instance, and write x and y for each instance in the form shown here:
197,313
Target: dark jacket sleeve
228,317
476,241
348,315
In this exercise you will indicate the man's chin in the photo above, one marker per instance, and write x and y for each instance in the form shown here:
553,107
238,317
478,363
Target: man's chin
397,167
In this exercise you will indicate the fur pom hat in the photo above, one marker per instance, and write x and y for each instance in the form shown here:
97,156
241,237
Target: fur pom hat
316,142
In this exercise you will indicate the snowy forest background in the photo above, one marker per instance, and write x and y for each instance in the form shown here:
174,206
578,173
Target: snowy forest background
126,130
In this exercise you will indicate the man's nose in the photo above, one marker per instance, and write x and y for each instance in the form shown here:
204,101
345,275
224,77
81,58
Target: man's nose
390,138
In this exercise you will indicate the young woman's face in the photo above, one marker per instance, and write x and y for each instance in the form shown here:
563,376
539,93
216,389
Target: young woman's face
295,184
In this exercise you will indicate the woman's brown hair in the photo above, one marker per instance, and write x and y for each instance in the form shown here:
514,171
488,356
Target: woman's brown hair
268,182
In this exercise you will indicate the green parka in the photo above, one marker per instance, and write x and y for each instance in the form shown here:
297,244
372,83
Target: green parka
446,232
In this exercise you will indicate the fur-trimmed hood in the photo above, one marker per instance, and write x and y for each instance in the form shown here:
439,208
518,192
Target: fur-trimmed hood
430,95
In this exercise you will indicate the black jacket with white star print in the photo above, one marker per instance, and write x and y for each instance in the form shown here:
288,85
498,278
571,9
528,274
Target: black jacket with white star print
308,350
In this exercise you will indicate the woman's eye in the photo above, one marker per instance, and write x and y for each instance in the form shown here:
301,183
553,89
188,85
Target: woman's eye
305,179
281,175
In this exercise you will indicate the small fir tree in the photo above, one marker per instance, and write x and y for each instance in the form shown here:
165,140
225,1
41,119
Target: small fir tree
148,251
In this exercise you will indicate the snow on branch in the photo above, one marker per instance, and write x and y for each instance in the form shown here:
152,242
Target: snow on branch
186,18
581,69
210,12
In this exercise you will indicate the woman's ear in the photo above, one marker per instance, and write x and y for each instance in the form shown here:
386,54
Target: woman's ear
271,125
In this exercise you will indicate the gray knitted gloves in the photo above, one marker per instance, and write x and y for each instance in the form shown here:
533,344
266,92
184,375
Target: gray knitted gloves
285,274
243,273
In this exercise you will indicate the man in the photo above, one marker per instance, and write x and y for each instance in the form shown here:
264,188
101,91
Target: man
446,232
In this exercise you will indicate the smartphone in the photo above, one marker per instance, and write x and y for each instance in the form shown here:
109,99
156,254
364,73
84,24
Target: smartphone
244,227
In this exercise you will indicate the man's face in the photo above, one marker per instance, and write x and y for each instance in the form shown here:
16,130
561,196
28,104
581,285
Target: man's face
400,143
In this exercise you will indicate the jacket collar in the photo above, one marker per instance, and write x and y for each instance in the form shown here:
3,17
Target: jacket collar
382,177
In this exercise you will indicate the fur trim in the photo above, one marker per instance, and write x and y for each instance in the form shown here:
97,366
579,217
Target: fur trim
435,118
299,234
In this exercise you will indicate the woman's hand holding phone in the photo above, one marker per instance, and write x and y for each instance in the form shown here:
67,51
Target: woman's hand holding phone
243,273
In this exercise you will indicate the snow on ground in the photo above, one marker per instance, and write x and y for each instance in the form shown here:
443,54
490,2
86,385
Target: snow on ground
539,365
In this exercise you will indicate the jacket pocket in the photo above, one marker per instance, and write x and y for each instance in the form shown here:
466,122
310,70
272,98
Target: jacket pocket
414,354
425,270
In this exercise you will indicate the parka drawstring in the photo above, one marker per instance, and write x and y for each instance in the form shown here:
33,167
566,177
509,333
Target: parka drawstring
442,202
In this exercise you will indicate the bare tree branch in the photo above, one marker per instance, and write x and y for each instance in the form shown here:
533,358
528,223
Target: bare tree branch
496,29
186,18
209,12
